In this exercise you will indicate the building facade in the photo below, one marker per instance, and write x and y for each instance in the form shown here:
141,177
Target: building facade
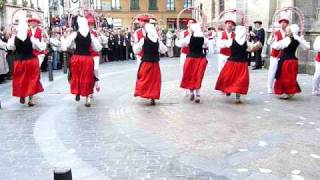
122,11
264,11
12,10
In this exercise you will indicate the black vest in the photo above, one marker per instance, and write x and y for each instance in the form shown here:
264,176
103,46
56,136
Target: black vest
24,50
195,47
82,44
288,53
150,50
238,52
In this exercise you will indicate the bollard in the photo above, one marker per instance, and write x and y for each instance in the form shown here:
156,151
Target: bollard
50,67
65,62
62,174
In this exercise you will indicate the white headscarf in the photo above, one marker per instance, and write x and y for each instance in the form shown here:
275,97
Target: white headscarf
241,34
151,32
316,45
294,29
83,26
22,29
196,29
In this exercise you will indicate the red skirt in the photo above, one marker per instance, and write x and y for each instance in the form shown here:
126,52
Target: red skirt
26,78
287,83
193,72
148,83
82,75
234,78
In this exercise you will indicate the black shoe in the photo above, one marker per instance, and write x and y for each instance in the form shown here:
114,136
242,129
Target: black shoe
30,103
77,97
228,94
192,97
22,100
153,102
197,99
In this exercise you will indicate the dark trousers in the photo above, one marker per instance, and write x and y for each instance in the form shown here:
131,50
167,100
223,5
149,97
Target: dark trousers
110,54
258,59
10,59
117,53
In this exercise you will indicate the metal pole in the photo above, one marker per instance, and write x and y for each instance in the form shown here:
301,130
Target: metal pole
65,62
62,174
50,67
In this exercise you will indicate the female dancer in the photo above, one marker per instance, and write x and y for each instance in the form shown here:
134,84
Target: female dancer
82,64
148,83
196,62
286,85
26,72
234,76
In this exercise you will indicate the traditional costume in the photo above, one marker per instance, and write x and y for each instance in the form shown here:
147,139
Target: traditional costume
148,83
182,37
225,52
196,62
287,71
26,71
82,64
36,32
316,77
94,54
140,34
234,76
275,54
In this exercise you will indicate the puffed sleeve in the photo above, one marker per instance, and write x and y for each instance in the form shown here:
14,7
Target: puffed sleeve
183,42
162,48
37,44
137,47
68,41
96,45
316,44
303,43
221,43
278,45
10,44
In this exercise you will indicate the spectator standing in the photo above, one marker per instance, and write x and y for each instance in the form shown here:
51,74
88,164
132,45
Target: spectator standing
169,42
258,36
55,45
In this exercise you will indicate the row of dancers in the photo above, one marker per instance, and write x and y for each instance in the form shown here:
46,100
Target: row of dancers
232,61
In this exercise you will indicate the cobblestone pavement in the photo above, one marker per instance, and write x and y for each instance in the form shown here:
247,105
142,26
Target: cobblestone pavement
122,137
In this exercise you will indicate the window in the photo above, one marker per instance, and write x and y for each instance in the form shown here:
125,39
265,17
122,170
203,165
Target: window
153,5
187,3
170,5
115,4
221,5
134,5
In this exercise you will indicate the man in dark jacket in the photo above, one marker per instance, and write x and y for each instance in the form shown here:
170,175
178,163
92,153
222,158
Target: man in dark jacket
258,35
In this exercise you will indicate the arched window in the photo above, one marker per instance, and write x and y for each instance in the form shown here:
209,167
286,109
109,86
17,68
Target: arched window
134,5
170,5
153,5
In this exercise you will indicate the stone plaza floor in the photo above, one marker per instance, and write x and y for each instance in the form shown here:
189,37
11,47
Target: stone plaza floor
122,137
